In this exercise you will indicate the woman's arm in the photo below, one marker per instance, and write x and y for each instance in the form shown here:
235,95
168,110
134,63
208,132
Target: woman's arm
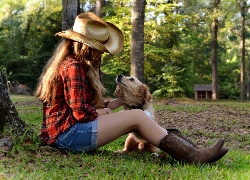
115,103
103,111
110,105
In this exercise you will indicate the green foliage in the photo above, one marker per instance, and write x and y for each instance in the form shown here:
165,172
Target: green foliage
171,77
28,39
113,65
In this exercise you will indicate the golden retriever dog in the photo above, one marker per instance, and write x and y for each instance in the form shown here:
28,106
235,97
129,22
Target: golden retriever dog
135,95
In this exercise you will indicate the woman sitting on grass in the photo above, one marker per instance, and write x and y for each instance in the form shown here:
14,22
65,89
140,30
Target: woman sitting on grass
75,117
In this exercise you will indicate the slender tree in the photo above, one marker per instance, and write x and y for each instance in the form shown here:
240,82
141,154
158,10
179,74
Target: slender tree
248,79
70,9
137,40
214,53
99,5
242,51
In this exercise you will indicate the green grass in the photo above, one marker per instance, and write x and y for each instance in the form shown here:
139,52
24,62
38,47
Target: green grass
20,98
30,160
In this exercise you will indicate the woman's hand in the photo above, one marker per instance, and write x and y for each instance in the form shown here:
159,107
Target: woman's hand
103,111
108,111
115,103
112,104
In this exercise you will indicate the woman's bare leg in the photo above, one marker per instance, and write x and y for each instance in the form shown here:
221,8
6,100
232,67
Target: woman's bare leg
114,125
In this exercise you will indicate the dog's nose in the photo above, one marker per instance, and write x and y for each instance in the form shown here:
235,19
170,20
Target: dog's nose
119,77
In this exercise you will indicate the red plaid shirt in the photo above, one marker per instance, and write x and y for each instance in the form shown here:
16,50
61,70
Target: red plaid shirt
73,97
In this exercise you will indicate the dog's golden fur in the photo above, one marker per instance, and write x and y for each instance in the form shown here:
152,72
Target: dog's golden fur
135,95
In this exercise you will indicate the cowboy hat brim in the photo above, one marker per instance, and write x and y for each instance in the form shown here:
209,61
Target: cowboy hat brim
116,40
70,34
113,45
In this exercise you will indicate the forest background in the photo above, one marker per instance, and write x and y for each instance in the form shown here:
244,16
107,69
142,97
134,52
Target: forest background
177,43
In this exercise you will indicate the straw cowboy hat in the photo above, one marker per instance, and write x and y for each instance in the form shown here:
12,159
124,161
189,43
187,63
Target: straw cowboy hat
96,33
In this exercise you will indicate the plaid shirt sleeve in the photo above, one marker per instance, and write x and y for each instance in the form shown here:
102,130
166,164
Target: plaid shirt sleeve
77,91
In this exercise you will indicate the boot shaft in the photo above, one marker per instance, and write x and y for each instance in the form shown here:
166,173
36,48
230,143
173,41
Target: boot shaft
180,149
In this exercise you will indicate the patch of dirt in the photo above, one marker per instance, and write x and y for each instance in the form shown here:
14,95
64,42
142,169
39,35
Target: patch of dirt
205,126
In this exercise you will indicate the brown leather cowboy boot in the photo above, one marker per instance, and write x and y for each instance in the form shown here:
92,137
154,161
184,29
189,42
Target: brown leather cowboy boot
182,150
222,153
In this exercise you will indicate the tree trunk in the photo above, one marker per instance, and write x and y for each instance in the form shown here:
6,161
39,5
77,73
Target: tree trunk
137,40
99,5
248,82
242,49
214,54
10,119
8,114
25,39
70,9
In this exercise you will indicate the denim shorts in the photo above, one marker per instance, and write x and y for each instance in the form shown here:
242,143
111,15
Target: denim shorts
81,137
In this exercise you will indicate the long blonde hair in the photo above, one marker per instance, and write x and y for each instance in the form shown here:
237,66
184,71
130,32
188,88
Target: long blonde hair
46,88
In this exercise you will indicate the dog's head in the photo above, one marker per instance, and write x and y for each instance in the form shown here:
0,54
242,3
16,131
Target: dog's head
133,93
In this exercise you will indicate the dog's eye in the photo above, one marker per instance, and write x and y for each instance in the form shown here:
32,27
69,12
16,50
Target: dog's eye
131,79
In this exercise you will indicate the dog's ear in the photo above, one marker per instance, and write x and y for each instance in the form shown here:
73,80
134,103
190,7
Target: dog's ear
149,96
144,92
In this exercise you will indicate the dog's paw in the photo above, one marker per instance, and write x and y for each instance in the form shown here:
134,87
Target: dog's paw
121,152
155,154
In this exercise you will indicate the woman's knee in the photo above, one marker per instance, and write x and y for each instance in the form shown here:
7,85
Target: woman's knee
138,116
136,112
